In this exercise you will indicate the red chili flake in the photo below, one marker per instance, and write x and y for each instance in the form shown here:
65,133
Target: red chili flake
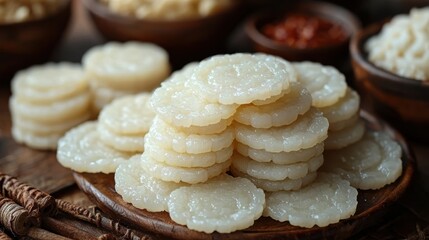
305,31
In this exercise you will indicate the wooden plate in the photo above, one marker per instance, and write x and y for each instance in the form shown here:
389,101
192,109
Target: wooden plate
371,206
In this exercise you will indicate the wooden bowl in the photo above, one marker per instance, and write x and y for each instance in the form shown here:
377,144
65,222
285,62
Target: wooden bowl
372,206
333,54
185,40
402,101
31,42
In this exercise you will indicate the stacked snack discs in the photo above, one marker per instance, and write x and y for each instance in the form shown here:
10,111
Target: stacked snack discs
81,150
46,102
280,144
197,148
119,134
280,121
191,142
371,163
124,123
339,103
177,146
118,69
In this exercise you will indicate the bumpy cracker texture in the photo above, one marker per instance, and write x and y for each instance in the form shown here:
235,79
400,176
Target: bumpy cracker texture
276,172
181,174
176,159
344,108
127,65
45,129
53,112
327,200
326,84
128,115
182,106
343,138
282,112
307,131
242,78
81,150
50,82
224,204
140,189
282,185
121,142
371,163
171,138
259,155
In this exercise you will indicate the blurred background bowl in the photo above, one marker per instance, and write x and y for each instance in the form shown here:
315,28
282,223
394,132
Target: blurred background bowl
332,54
402,101
30,42
185,40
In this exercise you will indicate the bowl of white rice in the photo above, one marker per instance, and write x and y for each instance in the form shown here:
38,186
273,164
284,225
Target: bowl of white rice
189,30
391,65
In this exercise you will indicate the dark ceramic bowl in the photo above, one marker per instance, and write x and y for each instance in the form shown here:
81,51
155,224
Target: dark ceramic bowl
185,40
332,54
402,101
31,42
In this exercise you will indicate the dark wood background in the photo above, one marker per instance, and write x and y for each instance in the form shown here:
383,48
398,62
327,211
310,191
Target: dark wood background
407,219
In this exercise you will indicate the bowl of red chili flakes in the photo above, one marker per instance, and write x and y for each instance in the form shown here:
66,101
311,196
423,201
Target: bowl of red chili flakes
312,31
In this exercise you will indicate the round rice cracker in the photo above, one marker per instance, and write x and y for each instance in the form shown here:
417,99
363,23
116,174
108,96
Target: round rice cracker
263,156
282,185
172,158
103,96
325,201
344,109
307,131
282,112
127,66
345,137
52,82
276,172
121,142
82,151
325,83
181,106
340,125
370,163
223,204
215,128
128,115
36,140
180,174
170,137
242,78
271,99
140,189
53,112
41,128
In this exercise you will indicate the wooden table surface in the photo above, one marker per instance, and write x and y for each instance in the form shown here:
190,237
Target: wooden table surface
408,218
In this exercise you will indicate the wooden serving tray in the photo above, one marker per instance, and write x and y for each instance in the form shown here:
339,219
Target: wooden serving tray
372,205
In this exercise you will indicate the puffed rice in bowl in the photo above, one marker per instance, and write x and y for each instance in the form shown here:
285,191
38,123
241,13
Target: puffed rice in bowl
403,101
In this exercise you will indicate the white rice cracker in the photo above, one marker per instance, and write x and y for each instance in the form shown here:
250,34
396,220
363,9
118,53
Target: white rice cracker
223,204
242,78
371,163
182,174
327,200
82,151
140,189
307,131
